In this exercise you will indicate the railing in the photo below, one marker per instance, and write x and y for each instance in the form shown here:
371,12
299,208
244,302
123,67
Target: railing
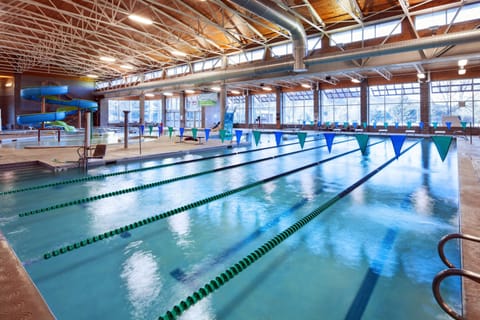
452,271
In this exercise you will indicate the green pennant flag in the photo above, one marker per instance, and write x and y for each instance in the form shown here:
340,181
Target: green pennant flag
362,140
222,134
301,138
194,133
443,144
256,135
170,131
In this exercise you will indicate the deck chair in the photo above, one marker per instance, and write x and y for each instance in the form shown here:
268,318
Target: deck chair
98,152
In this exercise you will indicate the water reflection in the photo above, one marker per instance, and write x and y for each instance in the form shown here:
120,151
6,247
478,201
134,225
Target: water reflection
180,226
142,279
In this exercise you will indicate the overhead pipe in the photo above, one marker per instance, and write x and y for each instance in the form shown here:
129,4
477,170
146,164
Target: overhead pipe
258,71
265,9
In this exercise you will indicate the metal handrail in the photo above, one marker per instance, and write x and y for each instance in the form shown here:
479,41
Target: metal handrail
452,271
448,237
436,288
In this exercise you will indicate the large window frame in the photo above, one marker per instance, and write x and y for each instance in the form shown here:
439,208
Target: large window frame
394,103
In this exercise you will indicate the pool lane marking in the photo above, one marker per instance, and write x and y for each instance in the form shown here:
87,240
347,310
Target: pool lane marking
118,231
244,263
364,293
155,184
106,175
178,273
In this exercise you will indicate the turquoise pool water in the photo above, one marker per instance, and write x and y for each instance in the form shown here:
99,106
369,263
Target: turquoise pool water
369,255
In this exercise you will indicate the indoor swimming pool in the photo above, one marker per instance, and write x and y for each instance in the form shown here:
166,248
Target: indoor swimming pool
251,232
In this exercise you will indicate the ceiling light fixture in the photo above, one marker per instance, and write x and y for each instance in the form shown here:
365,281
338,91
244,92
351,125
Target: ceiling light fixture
355,80
267,88
235,92
149,95
216,88
126,66
462,71
306,85
93,76
168,94
190,91
140,19
107,59
462,63
421,75
179,53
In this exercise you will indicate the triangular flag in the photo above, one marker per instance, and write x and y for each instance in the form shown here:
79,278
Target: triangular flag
207,134
443,144
301,138
278,137
397,142
170,131
362,140
238,134
194,133
182,130
329,138
256,135
222,134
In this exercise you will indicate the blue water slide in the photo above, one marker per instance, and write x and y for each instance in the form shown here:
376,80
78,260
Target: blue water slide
50,94
40,117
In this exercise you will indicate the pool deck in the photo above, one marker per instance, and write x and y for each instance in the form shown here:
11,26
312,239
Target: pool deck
20,299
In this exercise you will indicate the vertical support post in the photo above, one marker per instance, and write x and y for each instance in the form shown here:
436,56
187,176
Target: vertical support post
86,143
125,129
43,110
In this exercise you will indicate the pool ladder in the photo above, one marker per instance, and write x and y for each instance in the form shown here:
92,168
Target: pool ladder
451,271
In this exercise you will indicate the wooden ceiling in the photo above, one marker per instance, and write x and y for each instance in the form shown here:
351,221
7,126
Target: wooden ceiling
68,37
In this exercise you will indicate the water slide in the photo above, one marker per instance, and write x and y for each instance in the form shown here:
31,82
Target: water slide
49,94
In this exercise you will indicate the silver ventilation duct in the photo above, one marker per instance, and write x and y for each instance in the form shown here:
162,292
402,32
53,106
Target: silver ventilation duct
259,71
265,9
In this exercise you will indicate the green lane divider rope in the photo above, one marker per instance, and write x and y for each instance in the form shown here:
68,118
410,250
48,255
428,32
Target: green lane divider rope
151,185
140,223
106,175
244,263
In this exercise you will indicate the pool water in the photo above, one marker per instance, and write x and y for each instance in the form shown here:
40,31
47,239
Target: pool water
369,255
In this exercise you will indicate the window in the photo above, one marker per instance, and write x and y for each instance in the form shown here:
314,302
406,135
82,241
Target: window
314,43
178,70
246,56
236,104
281,50
368,32
445,17
116,108
206,65
153,111
394,103
193,112
265,107
455,98
340,105
153,75
172,107
297,107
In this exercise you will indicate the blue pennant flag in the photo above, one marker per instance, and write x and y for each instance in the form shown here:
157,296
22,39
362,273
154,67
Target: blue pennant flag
329,138
278,137
238,134
397,142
